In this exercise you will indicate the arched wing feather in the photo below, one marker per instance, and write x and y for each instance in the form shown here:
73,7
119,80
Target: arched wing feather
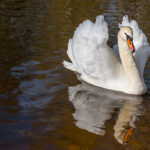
89,52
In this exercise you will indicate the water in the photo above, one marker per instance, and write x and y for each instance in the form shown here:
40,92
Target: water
43,105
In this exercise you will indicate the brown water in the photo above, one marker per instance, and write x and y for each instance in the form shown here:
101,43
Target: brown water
36,112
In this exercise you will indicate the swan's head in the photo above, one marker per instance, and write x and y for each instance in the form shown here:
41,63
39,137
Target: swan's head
126,34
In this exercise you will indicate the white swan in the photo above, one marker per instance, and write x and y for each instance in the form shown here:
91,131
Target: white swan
99,65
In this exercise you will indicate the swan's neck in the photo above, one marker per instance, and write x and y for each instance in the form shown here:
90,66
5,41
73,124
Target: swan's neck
129,65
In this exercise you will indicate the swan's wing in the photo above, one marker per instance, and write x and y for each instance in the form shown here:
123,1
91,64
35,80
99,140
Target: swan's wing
140,42
89,52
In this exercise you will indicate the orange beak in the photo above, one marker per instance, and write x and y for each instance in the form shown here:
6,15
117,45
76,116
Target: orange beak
131,46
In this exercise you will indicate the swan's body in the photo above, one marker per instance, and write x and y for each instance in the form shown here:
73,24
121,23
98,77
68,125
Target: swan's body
99,65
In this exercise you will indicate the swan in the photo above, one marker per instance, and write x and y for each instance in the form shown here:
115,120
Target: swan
121,68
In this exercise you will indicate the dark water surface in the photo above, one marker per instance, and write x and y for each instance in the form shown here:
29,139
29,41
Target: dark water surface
42,105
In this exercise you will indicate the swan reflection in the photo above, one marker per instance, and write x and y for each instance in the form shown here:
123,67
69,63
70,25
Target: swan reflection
94,106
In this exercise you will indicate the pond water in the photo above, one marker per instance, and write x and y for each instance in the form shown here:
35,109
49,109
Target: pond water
43,105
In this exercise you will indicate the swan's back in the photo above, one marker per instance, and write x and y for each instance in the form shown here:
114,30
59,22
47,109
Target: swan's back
90,54
87,37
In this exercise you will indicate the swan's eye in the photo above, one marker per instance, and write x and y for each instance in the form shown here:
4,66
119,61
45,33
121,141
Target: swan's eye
128,37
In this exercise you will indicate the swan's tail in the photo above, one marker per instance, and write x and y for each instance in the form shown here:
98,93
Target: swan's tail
70,66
